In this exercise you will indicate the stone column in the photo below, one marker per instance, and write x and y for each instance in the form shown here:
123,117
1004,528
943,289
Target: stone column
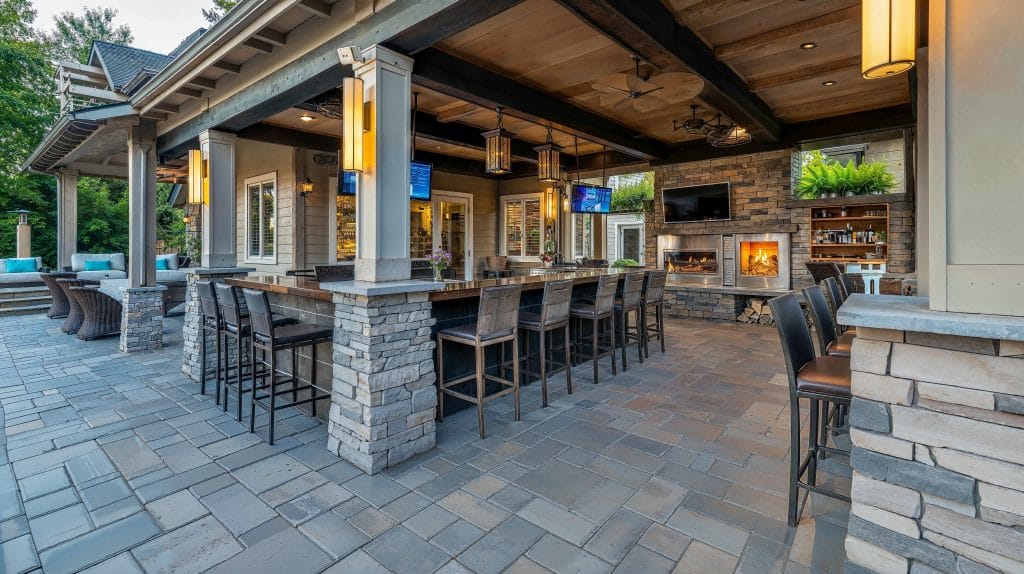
191,336
383,399
382,204
142,318
218,232
67,216
937,425
142,204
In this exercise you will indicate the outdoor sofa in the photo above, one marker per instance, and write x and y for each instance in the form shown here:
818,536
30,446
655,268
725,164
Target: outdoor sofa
23,272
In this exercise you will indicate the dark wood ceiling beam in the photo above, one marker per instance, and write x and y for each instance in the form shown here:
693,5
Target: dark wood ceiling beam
803,73
462,135
227,67
259,45
189,92
286,136
649,29
446,23
271,36
449,75
792,31
201,82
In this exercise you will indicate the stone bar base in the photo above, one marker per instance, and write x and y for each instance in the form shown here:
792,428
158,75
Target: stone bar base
937,425
142,318
383,400
193,318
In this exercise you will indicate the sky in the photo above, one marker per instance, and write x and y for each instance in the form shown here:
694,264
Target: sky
158,25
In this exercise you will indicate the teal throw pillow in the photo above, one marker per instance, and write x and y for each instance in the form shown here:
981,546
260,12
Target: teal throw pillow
98,265
162,265
26,265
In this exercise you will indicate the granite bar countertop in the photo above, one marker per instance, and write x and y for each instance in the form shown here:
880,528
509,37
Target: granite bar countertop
467,289
913,314
284,284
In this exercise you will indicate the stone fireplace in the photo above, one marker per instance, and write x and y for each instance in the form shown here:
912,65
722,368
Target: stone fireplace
750,260
762,260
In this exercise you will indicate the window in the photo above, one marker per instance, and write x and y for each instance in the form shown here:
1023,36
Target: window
582,236
523,225
261,208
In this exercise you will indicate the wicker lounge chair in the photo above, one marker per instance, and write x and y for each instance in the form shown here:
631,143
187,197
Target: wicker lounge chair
59,308
101,313
74,318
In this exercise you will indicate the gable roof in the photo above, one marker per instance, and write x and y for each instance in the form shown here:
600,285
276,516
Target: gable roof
123,63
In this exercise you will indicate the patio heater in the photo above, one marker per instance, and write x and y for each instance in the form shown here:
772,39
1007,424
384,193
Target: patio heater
24,234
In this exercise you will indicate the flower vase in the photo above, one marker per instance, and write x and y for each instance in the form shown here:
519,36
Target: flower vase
437,275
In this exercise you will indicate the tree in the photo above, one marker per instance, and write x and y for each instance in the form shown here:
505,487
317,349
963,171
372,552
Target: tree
220,7
632,196
74,34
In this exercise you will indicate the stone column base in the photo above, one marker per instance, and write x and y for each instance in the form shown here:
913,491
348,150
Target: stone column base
383,400
142,318
191,336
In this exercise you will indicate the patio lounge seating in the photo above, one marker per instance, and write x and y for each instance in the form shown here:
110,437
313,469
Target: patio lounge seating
74,318
60,307
821,270
21,278
81,266
101,313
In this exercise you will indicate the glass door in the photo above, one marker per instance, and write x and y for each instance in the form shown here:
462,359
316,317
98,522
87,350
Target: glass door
631,243
453,231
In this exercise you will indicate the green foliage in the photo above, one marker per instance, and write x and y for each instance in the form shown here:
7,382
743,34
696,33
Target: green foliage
220,7
170,221
821,176
621,263
631,198
72,39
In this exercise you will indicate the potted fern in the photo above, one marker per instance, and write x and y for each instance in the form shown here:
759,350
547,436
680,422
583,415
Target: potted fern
822,177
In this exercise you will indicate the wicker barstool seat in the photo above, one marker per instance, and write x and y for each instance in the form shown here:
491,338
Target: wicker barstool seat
630,303
601,309
74,317
553,316
60,306
101,313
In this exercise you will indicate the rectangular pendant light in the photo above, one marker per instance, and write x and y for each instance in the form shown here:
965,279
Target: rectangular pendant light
195,176
888,34
498,150
352,125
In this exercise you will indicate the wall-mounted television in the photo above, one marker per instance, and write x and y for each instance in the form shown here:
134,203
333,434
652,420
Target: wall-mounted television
347,183
419,181
591,199
696,203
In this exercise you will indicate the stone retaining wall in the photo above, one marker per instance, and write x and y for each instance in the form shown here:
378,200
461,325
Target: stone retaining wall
937,425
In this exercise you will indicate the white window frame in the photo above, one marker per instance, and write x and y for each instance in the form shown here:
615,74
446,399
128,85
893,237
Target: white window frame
520,198
571,256
260,180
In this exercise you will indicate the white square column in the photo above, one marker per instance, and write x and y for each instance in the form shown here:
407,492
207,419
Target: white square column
219,219
67,216
382,200
142,205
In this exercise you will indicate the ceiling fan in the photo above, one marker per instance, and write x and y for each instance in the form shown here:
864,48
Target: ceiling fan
644,92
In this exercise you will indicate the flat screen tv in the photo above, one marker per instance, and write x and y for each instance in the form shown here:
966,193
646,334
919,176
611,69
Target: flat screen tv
591,199
347,183
696,203
419,181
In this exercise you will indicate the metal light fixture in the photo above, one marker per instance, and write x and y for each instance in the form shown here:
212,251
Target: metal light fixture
549,157
306,117
808,46
499,149
352,125
196,176
693,124
888,43
306,187
727,135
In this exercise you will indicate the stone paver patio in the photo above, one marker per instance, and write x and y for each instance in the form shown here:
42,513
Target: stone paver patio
115,463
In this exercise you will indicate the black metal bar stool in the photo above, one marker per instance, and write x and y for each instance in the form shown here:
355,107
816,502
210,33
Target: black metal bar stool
824,381
630,303
269,337
836,297
210,323
553,315
652,296
497,322
829,343
597,311
235,323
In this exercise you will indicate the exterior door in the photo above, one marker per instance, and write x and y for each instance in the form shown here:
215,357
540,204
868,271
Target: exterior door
631,242
453,230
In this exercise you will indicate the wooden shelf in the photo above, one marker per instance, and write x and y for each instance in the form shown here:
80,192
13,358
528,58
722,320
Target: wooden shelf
861,218
855,220
830,245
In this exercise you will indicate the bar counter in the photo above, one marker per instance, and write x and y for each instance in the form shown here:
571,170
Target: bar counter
463,289
283,284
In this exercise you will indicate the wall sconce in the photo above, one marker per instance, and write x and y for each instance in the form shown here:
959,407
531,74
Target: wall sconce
186,219
306,187
353,118
888,34
552,201
499,149
196,176
548,161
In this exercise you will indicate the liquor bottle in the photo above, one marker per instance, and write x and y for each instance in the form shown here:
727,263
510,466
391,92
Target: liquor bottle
871,233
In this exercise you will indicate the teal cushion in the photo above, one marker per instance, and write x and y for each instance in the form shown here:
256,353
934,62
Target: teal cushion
97,265
26,265
162,265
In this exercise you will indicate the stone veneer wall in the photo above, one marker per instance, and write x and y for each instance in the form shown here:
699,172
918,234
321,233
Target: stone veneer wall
762,201
690,303
937,424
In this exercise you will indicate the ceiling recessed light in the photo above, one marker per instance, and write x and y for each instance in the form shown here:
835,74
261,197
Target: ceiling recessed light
808,46
306,117
829,83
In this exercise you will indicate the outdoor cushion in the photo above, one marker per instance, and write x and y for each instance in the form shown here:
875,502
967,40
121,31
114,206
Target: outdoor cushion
27,265
169,259
826,375
19,278
117,262
98,265
99,275
167,276
161,264
3,264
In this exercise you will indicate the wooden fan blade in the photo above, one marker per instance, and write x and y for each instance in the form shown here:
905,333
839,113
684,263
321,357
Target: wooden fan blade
639,85
613,100
678,86
618,82
608,89
648,103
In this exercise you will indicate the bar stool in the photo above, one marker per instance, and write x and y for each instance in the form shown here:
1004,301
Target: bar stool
554,315
824,324
652,296
270,336
600,309
824,381
837,298
630,303
235,324
209,323
497,322
74,318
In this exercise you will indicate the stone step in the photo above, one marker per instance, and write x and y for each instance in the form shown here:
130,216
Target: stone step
26,310
15,302
16,292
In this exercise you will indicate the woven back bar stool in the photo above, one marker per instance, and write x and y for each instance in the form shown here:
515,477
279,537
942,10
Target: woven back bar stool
552,316
268,337
630,303
497,322
652,297
74,318
210,324
601,309
829,343
824,382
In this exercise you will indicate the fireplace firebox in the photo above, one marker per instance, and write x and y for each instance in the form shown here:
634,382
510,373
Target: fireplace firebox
762,260
692,260
752,260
